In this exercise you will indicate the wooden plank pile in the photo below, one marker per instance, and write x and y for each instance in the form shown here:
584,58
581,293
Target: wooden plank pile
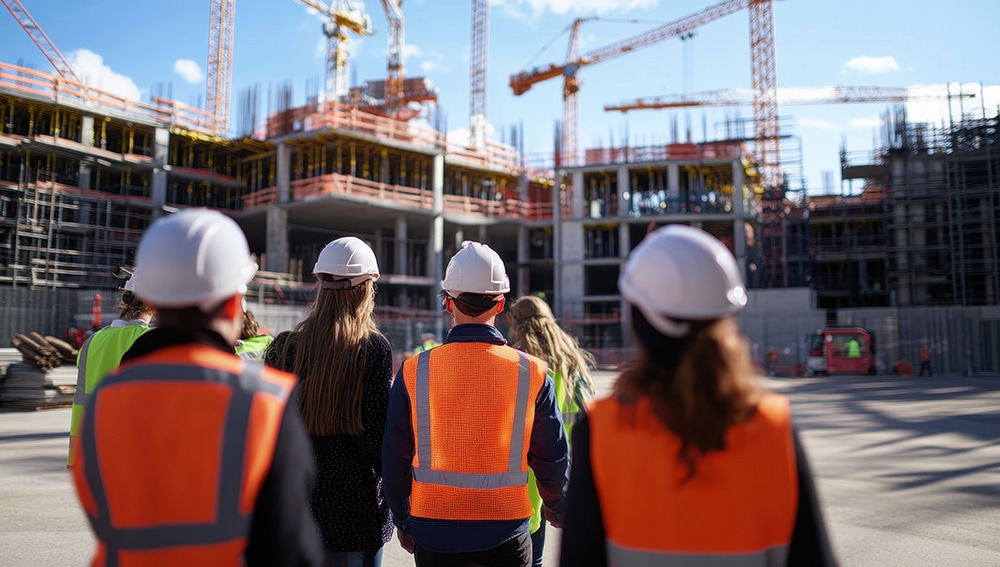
26,385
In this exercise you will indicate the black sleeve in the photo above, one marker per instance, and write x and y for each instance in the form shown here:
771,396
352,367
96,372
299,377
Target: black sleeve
283,531
810,543
583,541
378,381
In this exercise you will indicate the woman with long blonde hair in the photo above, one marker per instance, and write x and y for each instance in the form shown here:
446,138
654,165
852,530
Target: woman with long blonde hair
344,365
690,460
534,329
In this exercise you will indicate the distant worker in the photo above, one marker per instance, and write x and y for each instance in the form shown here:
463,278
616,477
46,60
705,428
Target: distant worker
427,342
466,421
345,367
534,329
187,454
772,360
925,360
102,352
252,342
853,348
690,461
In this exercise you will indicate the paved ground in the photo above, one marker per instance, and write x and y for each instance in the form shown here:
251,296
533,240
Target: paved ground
908,470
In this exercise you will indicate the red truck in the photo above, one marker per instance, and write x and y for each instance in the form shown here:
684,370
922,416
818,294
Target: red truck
841,350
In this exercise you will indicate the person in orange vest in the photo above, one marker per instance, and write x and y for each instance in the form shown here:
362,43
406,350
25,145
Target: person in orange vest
690,460
466,420
188,455
925,360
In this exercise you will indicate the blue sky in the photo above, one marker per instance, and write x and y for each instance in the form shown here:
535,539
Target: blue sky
140,47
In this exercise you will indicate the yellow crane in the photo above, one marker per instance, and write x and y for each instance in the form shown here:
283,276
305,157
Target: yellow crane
343,16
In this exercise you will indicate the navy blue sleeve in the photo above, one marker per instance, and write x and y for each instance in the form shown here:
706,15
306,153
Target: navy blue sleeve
548,452
283,531
583,540
397,454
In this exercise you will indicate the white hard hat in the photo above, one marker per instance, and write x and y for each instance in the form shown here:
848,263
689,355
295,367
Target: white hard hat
347,257
476,268
679,273
193,258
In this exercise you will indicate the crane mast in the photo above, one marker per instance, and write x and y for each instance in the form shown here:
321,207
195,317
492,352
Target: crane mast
220,62
477,89
394,83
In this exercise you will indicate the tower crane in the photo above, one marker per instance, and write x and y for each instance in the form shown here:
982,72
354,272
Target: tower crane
394,83
477,88
220,62
37,35
762,56
786,95
344,16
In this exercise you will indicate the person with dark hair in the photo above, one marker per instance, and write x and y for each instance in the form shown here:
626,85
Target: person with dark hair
344,365
252,343
189,455
690,460
102,352
534,329
466,421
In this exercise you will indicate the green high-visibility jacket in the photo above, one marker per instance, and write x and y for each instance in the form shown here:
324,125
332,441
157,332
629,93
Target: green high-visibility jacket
570,409
254,347
100,354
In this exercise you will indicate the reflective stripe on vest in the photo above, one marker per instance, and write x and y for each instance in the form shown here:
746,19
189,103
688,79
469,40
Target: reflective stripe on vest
231,520
620,556
737,510
513,476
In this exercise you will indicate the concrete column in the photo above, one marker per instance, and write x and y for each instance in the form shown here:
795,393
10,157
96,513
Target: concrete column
624,247
86,138
276,248
674,180
577,194
384,169
482,233
401,259
436,248
158,182
739,222
556,247
284,173
523,253
624,204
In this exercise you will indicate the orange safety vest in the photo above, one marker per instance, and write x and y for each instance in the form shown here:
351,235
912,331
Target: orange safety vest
738,509
174,447
472,409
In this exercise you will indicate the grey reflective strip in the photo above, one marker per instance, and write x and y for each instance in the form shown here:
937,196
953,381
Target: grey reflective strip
513,477
570,417
82,396
621,557
230,523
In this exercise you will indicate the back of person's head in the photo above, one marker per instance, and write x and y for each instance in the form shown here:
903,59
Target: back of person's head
250,326
331,343
192,268
475,279
534,329
131,307
683,285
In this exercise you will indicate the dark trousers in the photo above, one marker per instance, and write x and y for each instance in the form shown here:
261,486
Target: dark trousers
925,365
515,552
538,545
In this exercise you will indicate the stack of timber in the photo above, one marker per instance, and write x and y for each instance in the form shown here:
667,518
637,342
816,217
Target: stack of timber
26,384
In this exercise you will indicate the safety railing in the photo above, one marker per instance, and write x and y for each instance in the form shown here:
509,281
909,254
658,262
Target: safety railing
336,183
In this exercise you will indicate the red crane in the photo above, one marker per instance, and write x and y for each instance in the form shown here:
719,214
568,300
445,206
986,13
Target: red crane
762,55
37,35
790,95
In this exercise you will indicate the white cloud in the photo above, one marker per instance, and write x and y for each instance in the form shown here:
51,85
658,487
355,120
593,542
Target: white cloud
91,69
189,70
410,50
871,65
817,123
434,61
530,10
863,123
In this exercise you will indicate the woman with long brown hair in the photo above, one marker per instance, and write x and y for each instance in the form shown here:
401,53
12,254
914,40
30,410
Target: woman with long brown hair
344,365
534,329
691,459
